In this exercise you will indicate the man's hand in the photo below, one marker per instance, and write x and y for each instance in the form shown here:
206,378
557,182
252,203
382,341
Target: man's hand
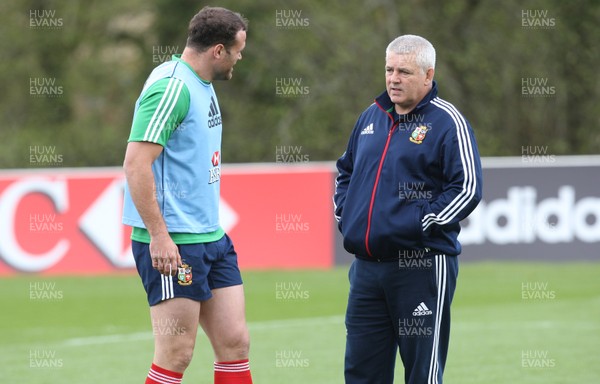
165,255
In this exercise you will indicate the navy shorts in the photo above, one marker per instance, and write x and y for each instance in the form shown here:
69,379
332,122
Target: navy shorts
206,266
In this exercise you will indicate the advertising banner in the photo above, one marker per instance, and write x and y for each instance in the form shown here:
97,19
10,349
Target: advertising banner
547,209
68,221
534,208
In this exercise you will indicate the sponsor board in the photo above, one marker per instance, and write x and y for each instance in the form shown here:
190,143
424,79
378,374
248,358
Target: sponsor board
545,211
68,221
536,212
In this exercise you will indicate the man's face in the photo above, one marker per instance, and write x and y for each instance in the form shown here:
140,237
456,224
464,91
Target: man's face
230,56
405,81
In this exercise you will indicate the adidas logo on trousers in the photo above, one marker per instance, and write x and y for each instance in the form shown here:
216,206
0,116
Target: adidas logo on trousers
422,310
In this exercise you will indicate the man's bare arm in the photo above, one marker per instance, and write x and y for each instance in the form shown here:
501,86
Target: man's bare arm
140,180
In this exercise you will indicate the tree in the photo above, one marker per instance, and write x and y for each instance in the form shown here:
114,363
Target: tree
309,69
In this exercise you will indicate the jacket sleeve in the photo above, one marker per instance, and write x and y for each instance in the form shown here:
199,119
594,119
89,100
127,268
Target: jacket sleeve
462,179
345,165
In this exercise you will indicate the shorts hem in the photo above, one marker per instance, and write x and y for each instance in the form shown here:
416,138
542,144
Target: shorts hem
205,297
226,285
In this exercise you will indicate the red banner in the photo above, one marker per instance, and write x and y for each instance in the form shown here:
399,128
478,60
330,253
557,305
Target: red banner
69,221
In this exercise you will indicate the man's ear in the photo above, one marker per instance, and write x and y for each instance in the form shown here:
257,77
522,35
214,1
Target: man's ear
218,51
429,76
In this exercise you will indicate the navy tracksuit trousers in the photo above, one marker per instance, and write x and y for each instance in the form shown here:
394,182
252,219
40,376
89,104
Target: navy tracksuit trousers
402,304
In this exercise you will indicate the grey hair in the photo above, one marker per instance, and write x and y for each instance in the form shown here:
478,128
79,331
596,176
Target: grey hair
416,45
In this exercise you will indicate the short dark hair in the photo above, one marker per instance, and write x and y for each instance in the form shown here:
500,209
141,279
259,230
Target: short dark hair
214,25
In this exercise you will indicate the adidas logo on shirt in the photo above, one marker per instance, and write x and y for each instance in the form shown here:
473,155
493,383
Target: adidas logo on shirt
422,310
368,130
214,117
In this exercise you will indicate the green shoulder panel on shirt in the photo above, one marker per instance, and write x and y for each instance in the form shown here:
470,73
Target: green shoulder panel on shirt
162,108
142,235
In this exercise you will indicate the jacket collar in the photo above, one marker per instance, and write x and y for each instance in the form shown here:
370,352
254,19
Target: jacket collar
384,102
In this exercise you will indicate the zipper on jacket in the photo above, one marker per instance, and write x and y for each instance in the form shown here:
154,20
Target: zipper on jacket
385,149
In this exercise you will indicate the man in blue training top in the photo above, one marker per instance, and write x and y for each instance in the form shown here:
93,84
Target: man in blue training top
187,263
410,173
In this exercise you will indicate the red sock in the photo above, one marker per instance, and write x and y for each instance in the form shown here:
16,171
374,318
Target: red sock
158,375
233,372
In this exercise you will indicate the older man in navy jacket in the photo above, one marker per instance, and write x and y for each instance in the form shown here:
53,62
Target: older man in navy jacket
410,174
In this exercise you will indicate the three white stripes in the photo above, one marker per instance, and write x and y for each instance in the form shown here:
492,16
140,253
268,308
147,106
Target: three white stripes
161,378
167,286
468,164
163,111
235,367
440,272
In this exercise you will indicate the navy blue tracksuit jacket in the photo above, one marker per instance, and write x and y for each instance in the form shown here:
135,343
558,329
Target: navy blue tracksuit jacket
405,181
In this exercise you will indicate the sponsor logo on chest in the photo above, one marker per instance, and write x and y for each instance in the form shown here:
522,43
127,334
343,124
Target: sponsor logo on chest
214,116
214,173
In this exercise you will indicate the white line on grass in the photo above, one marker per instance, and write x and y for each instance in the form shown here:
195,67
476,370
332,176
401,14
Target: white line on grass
107,339
337,320
253,326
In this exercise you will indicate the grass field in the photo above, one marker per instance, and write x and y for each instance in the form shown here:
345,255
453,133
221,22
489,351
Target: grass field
512,323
